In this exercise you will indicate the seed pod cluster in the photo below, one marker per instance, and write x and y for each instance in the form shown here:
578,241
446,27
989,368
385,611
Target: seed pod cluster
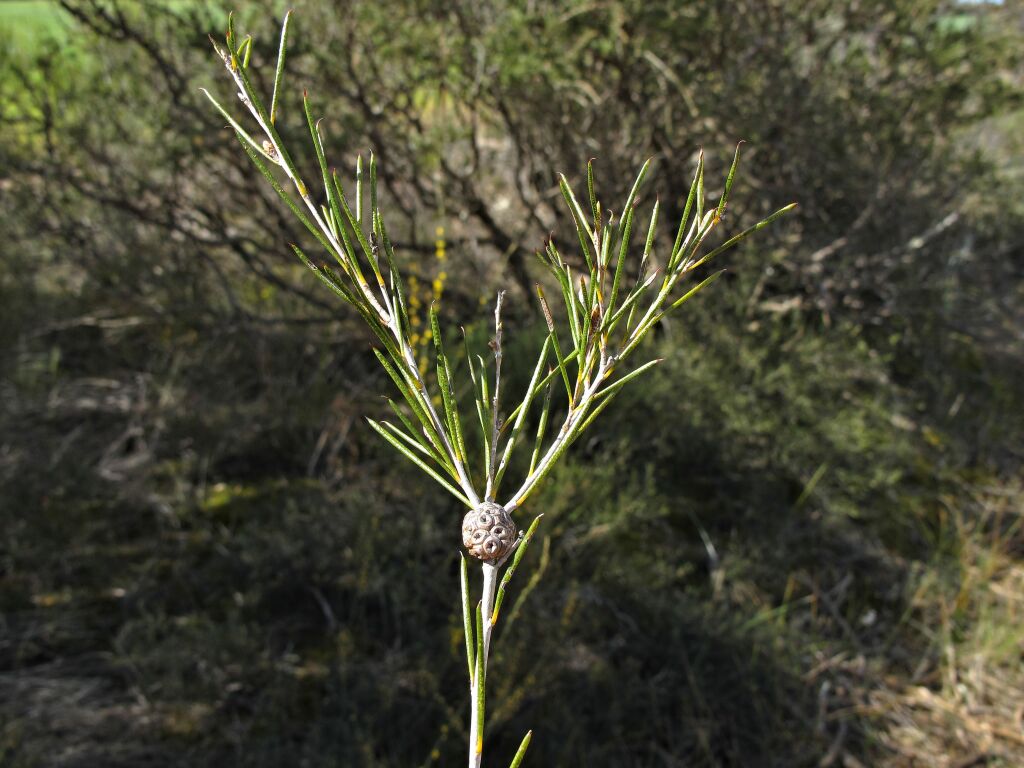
488,531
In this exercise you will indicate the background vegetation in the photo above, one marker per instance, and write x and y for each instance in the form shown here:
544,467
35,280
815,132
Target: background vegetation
798,543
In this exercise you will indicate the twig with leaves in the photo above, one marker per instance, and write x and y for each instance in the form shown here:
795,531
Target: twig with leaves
606,314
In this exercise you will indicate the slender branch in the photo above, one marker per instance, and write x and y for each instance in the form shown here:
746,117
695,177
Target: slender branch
477,690
495,418
592,304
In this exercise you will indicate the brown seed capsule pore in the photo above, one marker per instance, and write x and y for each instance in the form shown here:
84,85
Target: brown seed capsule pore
488,531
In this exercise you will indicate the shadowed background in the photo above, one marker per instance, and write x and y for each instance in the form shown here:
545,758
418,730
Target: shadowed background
796,543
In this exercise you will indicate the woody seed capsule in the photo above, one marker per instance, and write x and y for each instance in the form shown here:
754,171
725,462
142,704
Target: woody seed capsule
488,531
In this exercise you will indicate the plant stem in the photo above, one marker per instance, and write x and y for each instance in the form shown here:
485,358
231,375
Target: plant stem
476,723
495,426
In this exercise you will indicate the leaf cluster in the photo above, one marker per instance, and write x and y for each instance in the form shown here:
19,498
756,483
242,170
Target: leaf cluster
608,308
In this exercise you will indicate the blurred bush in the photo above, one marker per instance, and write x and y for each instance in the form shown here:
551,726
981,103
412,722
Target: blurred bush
800,544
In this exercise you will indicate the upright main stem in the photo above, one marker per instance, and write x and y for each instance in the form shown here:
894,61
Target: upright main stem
476,723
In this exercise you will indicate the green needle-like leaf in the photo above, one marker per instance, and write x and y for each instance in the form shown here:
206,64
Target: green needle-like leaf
612,388
732,241
480,680
467,615
350,250
373,182
700,191
573,309
631,199
586,235
554,339
359,189
357,230
421,441
245,51
631,301
729,180
507,577
640,332
451,408
585,425
292,205
649,243
627,231
696,289
408,439
396,285
542,426
405,451
523,409
690,198
243,135
335,285
413,399
594,206
329,188
521,752
279,73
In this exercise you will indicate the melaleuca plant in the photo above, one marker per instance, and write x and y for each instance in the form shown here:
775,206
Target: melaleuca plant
604,313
